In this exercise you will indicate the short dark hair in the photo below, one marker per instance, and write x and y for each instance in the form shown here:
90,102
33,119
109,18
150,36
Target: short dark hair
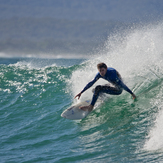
101,65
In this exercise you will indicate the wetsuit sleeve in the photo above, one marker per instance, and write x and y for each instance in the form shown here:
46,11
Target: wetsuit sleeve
120,82
91,83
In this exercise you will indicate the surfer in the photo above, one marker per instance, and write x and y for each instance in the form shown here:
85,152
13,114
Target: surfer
112,76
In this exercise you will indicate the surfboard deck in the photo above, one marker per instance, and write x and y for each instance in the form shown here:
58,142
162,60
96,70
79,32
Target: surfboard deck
75,113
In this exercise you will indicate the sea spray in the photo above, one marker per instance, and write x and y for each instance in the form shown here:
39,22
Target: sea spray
131,53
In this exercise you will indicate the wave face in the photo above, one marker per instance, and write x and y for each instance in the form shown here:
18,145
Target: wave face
34,93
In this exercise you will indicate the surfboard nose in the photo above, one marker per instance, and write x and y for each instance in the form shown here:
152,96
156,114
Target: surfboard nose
63,115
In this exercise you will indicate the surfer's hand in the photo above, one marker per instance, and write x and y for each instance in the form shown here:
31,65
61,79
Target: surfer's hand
78,95
133,96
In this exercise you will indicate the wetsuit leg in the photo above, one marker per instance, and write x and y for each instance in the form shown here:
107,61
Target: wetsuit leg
105,89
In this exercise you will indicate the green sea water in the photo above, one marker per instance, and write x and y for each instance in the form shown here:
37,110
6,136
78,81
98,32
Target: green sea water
34,92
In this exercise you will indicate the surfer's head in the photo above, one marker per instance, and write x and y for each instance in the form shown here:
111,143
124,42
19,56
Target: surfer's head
102,68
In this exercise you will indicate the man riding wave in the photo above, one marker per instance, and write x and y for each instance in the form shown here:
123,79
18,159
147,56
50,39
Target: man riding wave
112,76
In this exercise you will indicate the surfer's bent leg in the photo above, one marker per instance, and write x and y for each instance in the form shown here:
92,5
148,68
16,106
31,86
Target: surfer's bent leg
105,89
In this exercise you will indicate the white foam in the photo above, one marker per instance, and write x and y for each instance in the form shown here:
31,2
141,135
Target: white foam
33,64
154,140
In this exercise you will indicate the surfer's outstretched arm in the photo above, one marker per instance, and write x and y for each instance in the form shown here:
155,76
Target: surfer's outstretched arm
88,86
120,82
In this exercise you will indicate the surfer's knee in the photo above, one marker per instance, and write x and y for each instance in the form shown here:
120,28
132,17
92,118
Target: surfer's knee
97,89
119,91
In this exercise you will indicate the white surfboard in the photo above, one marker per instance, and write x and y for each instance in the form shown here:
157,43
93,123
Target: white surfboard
75,113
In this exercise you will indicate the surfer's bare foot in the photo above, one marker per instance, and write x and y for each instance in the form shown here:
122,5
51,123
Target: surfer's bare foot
89,108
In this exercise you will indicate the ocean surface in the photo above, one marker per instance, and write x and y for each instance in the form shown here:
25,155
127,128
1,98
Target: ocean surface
35,91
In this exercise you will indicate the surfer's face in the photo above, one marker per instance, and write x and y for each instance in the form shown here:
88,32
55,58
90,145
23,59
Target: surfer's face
102,71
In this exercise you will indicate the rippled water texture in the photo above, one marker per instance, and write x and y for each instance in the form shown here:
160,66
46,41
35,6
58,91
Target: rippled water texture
34,93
